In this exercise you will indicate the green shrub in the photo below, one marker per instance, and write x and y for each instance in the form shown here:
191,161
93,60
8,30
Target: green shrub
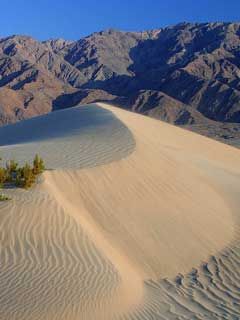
11,169
11,166
3,176
19,178
25,177
38,165
4,198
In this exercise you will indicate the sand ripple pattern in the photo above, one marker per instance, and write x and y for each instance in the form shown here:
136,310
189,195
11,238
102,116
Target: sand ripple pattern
80,137
49,268
210,292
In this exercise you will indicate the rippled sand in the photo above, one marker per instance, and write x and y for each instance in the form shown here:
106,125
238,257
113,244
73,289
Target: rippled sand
136,219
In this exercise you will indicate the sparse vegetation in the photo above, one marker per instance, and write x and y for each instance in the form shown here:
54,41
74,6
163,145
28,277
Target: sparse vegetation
23,177
11,170
4,198
3,176
38,165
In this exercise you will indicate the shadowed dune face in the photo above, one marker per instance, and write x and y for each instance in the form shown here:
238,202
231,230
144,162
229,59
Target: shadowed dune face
80,137
139,221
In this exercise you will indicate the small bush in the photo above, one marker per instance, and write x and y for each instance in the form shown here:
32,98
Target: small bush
11,169
23,177
38,165
4,198
3,176
11,166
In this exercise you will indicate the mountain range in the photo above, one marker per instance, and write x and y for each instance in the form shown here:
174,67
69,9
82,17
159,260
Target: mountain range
187,74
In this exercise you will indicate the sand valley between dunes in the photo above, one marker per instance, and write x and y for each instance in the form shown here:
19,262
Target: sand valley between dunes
135,219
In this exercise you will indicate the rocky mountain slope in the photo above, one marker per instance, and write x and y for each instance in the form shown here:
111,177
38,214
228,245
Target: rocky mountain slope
187,74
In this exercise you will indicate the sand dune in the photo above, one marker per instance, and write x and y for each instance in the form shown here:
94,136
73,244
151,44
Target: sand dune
138,220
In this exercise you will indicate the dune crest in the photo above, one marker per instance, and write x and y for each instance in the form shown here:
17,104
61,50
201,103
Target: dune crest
138,220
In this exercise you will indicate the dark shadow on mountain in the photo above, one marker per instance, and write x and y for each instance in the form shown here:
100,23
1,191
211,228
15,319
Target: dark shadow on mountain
164,64
68,100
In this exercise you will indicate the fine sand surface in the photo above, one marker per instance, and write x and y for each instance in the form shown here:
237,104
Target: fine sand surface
136,219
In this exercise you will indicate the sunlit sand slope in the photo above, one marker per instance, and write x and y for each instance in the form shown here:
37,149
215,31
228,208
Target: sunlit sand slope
138,220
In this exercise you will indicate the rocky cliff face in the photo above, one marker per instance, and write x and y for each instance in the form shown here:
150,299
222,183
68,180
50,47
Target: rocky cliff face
187,74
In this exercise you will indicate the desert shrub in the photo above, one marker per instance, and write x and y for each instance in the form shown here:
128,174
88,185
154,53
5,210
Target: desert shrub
25,177
4,198
11,170
11,166
3,176
38,165
19,178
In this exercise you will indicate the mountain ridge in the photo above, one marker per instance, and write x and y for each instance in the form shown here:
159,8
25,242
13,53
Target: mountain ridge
187,74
